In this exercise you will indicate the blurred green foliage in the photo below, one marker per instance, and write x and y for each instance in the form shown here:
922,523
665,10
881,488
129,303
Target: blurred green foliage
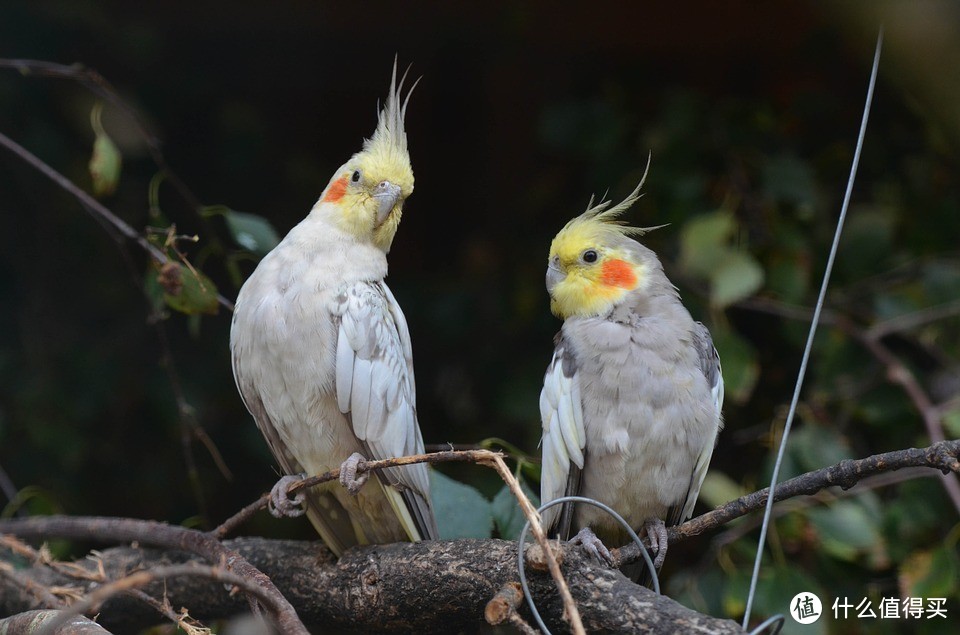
104,385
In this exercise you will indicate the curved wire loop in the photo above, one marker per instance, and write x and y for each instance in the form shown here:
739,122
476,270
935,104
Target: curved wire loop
595,503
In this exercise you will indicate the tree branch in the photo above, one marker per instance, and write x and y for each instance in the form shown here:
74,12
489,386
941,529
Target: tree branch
942,456
95,598
93,207
447,456
35,622
429,587
382,586
98,85
160,535
897,372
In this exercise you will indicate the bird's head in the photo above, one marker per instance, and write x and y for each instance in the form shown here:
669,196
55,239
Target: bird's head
365,196
594,263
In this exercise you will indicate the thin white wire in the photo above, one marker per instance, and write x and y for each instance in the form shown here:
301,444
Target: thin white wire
521,569
813,331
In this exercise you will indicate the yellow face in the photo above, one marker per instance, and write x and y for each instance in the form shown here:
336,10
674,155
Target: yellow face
369,191
585,277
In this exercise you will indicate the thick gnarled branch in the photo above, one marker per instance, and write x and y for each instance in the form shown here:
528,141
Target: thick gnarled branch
382,588
158,534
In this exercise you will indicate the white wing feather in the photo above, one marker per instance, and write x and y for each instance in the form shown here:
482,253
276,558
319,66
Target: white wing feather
375,387
561,414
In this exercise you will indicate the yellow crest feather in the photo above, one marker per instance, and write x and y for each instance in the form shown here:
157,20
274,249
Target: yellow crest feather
389,141
599,224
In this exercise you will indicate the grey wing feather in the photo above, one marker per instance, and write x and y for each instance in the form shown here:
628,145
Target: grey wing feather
564,524
564,437
375,389
710,365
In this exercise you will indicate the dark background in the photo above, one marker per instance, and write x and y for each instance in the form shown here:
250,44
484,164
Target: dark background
522,112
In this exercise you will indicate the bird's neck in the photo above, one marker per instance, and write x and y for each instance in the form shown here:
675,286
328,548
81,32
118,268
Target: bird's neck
318,240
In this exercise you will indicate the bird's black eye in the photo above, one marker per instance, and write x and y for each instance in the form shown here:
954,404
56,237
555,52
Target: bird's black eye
356,176
590,256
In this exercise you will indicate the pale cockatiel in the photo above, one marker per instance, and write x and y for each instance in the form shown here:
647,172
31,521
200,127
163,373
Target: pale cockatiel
631,400
322,356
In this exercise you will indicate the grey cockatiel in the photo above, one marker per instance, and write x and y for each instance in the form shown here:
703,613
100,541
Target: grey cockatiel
322,355
631,400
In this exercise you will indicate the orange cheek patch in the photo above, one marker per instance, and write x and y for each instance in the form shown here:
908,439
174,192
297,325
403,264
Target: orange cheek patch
336,191
618,273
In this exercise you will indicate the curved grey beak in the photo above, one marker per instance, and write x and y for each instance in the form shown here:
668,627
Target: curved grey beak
386,194
554,274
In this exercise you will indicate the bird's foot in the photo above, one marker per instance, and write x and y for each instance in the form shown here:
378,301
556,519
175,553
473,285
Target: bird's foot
348,473
657,532
281,504
589,542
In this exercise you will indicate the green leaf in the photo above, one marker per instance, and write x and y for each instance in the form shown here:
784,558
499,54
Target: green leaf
788,277
778,585
931,573
701,590
718,488
703,242
507,516
35,500
253,233
461,510
739,363
104,166
816,446
184,289
737,276
846,529
951,421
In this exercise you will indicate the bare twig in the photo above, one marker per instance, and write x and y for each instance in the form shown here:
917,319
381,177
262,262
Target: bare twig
161,607
93,207
941,456
506,601
570,611
8,489
914,319
98,85
140,578
161,535
899,374
482,457
878,481
503,608
43,557
42,596
468,456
